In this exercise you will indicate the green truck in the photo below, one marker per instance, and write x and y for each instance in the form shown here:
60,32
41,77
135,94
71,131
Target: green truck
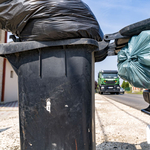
108,82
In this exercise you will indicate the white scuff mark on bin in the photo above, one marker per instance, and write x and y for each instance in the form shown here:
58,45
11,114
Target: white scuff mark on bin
54,144
148,134
48,105
30,144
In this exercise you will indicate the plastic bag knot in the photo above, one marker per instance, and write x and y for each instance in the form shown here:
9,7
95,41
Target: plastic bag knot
133,58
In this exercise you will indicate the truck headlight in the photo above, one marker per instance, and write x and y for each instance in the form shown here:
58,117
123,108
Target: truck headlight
102,87
118,87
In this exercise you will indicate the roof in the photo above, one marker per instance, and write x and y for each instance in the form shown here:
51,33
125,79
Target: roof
108,71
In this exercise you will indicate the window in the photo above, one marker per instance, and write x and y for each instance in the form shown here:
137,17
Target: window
11,74
109,75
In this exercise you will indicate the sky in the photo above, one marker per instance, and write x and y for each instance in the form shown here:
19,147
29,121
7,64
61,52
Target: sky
112,16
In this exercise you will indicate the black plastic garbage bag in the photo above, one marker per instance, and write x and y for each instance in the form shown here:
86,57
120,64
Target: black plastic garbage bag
49,19
134,61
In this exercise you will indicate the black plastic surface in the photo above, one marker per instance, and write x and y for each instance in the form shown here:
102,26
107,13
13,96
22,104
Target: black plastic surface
147,110
124,35
48,20
136,28
64,76
146,96
9,48
107,90
101,54
100,48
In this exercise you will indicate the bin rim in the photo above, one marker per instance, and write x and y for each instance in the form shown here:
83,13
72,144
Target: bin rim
10,48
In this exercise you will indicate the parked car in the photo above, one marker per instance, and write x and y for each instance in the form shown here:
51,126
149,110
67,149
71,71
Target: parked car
121,90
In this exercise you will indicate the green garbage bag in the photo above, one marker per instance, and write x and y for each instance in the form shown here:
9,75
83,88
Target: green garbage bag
134,61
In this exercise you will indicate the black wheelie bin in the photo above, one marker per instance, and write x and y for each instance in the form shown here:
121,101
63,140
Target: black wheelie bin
56,93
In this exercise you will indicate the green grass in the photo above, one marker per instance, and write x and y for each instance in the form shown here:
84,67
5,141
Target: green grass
130,92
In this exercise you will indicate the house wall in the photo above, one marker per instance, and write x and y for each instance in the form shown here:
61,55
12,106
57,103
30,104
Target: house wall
2,40
1,75
11,84
136,89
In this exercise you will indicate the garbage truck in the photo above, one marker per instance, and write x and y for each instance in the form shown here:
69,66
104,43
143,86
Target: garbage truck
108,82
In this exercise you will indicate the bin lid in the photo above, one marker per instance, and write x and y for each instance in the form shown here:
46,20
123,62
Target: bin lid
10,48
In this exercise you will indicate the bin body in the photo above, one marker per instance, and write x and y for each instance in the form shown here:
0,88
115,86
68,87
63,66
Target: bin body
56,98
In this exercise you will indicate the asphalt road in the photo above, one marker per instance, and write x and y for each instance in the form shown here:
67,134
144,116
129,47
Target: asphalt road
133,100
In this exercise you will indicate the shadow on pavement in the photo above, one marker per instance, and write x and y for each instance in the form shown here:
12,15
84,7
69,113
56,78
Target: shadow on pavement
102,128
122,146
2,130
9,104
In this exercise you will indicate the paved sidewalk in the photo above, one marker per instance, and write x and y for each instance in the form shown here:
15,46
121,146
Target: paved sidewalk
8,109
118,127
9,126
9,105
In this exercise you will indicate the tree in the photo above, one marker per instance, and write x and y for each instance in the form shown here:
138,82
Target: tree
123,85
126,84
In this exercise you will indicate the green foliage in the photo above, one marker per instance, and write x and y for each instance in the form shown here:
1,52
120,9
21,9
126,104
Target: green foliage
125,85
130,92
127,89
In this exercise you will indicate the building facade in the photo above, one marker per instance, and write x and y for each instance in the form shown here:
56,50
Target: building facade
135,89
8,77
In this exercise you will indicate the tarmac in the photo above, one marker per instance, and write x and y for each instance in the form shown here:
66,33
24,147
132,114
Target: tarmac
118,127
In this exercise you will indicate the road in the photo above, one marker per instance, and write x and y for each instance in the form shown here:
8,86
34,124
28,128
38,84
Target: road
133,100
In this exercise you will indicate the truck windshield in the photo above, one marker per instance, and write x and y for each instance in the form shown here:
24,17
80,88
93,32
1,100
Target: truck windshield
109,75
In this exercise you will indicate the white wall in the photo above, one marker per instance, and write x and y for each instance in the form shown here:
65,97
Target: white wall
1,75
11,84
2,40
